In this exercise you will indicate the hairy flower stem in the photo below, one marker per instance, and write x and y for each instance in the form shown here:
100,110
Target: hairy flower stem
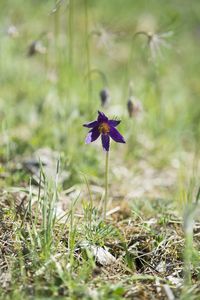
106,184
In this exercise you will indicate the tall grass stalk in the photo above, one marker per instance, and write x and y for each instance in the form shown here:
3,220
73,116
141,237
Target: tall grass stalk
71,241
71,32
46,206
71,248
191,211
91,201
56,30
7,143
188,230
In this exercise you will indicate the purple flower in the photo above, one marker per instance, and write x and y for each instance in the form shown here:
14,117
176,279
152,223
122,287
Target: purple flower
106,128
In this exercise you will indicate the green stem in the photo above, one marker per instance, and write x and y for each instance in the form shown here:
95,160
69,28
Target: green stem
106,184
56,33
71,37
128,67
87,40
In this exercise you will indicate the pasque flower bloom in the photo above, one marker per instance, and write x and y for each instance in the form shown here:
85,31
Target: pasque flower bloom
106,128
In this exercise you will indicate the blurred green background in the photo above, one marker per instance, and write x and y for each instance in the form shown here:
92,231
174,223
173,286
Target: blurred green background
56,56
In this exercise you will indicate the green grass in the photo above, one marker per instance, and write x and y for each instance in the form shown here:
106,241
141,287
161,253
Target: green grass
153,230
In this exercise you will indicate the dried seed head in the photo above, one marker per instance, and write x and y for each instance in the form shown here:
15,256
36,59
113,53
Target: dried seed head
36,47
105,39
158,41
104,96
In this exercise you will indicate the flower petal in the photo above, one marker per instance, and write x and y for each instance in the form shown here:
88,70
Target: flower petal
114,123
105,141
116,136
101,117
92,136
91,124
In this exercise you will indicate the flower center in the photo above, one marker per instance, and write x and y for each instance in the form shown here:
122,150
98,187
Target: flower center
104,128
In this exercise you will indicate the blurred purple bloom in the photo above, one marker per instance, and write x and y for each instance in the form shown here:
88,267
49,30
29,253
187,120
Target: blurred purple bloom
104,96
106,128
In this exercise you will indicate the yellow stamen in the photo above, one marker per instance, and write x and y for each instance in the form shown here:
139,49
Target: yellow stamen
104,128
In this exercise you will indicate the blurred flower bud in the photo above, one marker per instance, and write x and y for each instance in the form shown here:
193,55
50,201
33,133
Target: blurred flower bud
134,107
104,96
12,31
130,107
36,47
